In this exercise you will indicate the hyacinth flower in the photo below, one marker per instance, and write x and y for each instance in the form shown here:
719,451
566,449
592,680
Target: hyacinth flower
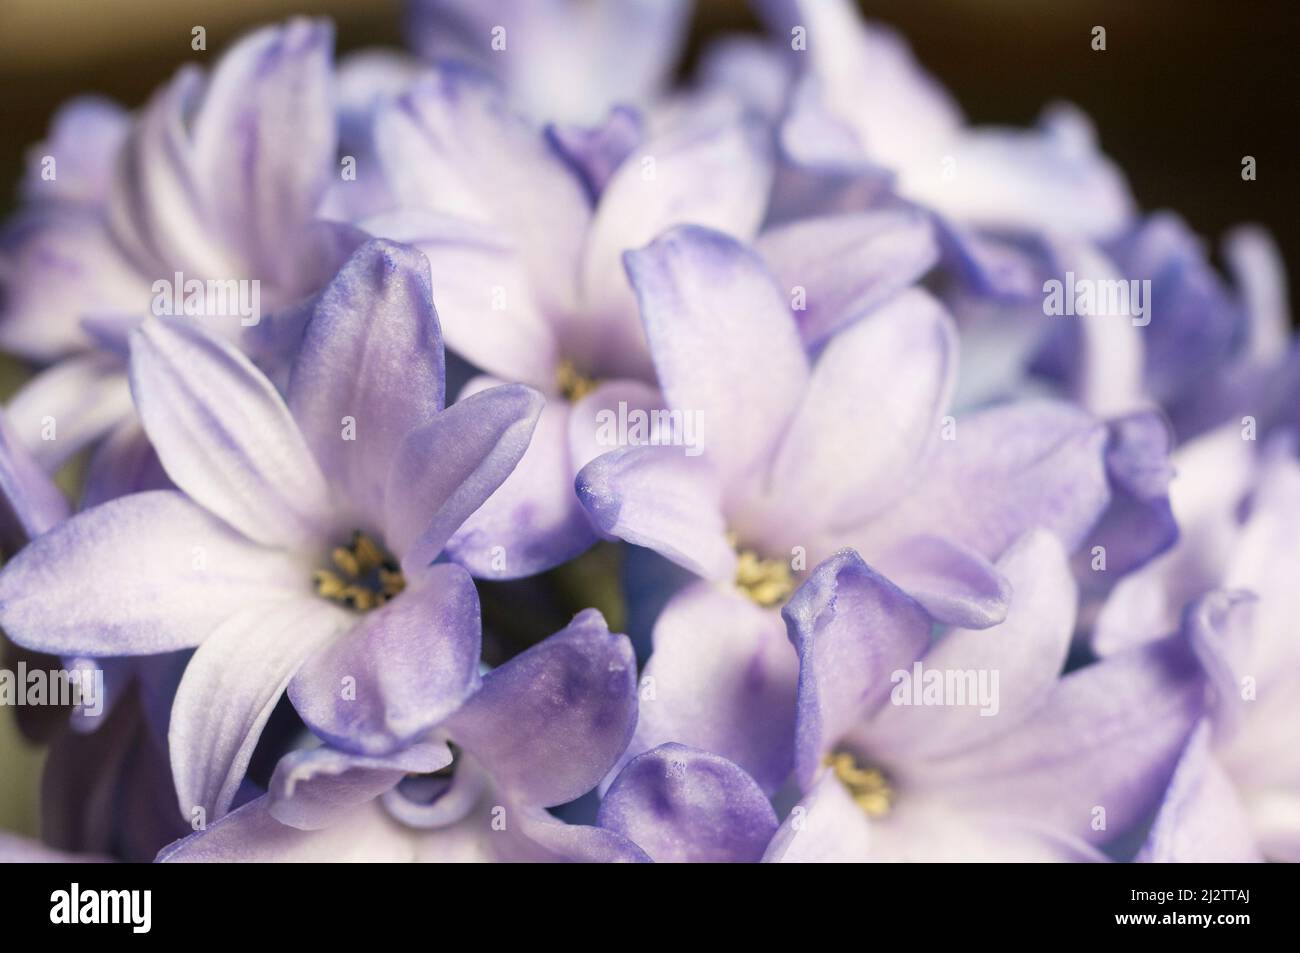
1232,580
1062,764
682,805
530,286
118,752
861,125
801,461
216,179
30,505
314,518
1063,761
541,730
1203,351
559,60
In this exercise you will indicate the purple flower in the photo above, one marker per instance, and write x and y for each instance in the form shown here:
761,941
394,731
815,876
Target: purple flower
683,805
1229,588
1039,768
292,517
560,60
215,179
801,461
540,731
530,285
1046,769
862,117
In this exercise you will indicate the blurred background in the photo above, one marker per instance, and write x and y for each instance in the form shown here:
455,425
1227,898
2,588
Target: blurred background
1184,90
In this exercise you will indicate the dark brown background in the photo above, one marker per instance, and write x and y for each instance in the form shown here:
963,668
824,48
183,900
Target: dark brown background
1184,90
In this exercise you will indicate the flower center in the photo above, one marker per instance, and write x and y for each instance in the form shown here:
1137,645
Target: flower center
427,788
769,582
363,577
868,787
573,384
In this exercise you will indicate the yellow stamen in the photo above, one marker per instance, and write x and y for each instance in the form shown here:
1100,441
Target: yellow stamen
348,564
365,578
327,584
392,582
769,582
573,384
368,554
868,787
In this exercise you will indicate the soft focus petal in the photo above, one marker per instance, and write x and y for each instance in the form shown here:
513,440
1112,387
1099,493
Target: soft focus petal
1221,626
825,827
58,267
663,499
252,835
30,503
723,341
1139,524
1011,468
157,212
1265,560
484,295
1052,178
400,670
85,136
124,462
683,805
953,583
1095,758
264,142
1211,476
568,61
848,264
713,175
1202,819
596,152
451,145
319,787
722,678
370,369
1026,651
533,521
229,689
623,413
870,415
548,724
869,78
225,436
70,405
852,629
143,574
1260,271
1107,377
445,470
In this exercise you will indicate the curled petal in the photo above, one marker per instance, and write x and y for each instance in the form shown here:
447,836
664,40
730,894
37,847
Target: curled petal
679,804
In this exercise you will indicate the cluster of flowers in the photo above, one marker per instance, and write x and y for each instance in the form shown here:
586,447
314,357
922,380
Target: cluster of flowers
880,605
